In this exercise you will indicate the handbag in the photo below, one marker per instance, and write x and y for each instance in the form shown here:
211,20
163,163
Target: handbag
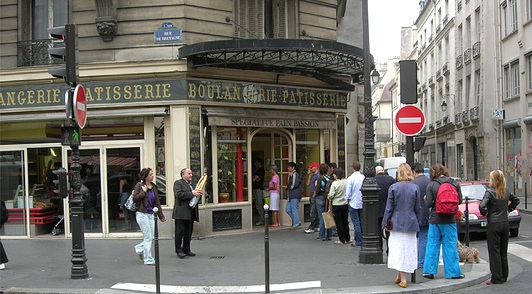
389,225
130,204
328,218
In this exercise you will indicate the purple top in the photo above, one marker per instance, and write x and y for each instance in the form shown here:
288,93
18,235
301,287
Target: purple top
151,201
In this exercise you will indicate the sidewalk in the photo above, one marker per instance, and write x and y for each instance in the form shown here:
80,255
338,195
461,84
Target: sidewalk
43,266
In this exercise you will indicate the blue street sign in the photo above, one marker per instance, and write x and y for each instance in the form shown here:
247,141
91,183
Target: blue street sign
167,35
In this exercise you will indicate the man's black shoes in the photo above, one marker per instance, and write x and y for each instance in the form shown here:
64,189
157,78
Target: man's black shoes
181,255
190,254
428,276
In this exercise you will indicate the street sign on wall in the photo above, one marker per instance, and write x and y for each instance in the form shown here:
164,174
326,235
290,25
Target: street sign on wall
409,120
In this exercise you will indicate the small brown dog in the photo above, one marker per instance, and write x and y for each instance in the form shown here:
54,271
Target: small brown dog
469,254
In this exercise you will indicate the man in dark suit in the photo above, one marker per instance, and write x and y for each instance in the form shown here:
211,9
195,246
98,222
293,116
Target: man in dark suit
422,181
184,216
384,181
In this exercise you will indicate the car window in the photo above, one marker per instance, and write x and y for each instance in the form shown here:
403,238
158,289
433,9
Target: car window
474,192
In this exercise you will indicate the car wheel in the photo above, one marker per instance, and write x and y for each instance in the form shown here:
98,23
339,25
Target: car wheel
514,232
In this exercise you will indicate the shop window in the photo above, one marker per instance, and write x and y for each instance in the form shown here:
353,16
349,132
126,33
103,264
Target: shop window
231,164
37,17
307,151
12,191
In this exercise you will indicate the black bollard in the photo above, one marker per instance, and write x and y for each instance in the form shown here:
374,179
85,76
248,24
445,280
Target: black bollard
156,245
466,215
266,249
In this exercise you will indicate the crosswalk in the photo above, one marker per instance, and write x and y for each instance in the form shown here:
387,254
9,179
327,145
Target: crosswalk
216,289
520,251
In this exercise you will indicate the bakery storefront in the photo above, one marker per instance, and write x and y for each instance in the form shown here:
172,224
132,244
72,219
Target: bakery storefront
215,126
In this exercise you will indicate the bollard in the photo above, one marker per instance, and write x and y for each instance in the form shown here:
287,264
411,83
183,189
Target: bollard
156,245
466,215
266,249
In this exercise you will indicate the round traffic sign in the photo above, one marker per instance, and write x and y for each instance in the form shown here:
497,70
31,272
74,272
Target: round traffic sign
409,120
80,106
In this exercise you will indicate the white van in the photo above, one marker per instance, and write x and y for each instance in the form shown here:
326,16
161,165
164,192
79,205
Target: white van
390,164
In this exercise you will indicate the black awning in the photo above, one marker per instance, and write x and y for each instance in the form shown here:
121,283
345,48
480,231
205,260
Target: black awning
323,60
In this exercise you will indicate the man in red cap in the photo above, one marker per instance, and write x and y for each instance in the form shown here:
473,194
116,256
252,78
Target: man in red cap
312,177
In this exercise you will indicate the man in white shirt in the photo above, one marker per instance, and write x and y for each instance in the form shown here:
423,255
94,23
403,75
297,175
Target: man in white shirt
354,196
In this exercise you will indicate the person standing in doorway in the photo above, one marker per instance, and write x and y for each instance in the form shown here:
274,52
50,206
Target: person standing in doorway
257,183
354,196
147,198
384,181
293,191
312,177
273,188
495,206
184,216
422,181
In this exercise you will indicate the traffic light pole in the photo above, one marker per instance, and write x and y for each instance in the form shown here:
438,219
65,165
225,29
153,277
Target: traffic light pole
79,260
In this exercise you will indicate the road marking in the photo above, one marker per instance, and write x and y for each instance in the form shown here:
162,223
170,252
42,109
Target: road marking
409,120
216,289
520,251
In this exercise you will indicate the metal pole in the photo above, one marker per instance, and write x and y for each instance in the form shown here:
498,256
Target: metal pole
466,215
156,245
526,196
266,249
370,252
79,266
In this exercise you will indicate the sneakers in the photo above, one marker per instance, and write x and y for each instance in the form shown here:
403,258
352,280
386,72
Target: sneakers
2,266
309,231
428,276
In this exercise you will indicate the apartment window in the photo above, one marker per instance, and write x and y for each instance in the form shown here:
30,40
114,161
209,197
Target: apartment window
529,10
528,59
478,88
467,92
249,19
509,17
511,80
36,17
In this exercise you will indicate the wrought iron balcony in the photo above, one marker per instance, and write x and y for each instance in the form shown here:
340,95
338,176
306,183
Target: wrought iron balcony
467,56
459,6
476,50
445,68
445,120
465,117
445,19
431,81
458,119
34,52
423,47
430,38
438,123
439,75
431,127
438,29
459,61
474,113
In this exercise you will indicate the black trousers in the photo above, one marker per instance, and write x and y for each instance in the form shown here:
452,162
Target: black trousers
497,237
3,255
341,218
183,235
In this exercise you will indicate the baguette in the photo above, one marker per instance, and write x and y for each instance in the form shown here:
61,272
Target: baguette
201,183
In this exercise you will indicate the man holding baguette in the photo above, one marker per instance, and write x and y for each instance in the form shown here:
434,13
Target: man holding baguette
184,215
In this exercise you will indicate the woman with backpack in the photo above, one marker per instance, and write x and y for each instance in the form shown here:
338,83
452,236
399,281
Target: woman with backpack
495,206
442,227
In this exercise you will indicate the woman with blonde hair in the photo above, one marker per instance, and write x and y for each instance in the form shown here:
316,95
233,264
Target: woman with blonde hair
495,206
273,189
403,209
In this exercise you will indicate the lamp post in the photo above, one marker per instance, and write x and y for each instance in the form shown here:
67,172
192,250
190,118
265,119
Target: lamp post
370,252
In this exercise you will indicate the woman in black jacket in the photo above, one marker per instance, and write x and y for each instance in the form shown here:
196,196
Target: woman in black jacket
498,201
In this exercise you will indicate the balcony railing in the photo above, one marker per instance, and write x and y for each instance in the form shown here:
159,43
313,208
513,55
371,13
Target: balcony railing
445,68
430,38
439,75
445,19
459,6
465,118
476,50
438,29
458,119
438,123
423,47
415,44
34,52
431,81
473,113
445,120
467,56
459,61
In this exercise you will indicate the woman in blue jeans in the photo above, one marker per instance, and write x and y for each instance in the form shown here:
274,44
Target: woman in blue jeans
146,196
321,198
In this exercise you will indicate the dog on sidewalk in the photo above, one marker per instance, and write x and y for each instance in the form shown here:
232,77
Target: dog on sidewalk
469,254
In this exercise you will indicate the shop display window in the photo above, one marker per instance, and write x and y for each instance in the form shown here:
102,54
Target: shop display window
231,150
307,151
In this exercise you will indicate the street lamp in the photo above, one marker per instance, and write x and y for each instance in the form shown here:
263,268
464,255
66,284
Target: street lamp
443,106
375,76
370,252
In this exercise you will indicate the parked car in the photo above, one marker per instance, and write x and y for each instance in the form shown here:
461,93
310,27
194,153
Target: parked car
475,190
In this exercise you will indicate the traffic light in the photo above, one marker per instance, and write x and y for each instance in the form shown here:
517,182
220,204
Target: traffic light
408,81
65,51
61,183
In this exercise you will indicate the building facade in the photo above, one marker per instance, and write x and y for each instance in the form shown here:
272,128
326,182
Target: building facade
209,85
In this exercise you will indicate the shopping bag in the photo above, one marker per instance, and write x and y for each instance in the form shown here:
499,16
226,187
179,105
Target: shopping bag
328,219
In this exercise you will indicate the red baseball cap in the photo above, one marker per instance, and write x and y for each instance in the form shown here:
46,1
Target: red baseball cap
314,164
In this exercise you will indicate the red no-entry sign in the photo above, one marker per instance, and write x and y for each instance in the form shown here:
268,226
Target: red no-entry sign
409,120
80,106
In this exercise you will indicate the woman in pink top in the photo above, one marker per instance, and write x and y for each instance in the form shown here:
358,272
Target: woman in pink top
273,188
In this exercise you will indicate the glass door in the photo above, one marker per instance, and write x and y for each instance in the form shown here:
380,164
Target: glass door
13,192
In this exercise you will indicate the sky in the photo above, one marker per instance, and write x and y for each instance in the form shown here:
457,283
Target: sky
386,17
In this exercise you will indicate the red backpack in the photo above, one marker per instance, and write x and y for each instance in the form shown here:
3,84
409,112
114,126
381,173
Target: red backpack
446,199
